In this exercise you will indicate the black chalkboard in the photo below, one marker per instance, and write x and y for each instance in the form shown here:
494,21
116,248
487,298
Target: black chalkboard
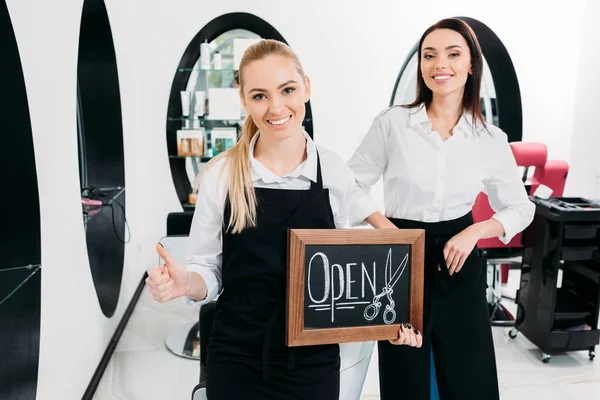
349,286
353,285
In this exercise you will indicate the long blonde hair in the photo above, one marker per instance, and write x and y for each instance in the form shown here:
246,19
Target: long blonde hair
240,188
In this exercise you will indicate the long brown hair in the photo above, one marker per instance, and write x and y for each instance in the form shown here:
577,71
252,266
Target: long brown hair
240,188
471,98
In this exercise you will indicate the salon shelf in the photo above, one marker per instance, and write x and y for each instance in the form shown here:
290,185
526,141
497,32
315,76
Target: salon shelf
205,70
232,122
588,269
570,306
202,119
26,272
201,158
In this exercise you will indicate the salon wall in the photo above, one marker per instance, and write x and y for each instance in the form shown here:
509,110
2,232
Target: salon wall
353,52
584,160
74,331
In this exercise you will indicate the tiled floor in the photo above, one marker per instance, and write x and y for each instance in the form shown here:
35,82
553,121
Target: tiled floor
142,368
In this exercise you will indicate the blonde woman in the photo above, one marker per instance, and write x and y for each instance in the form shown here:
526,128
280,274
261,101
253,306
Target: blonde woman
273,179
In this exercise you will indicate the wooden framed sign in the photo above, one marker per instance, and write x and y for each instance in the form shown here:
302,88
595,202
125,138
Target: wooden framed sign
353,285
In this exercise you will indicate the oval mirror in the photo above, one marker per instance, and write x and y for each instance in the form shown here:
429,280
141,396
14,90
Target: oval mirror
101,161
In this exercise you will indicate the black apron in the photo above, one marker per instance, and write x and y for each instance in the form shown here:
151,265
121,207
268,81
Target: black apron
456,323
247,356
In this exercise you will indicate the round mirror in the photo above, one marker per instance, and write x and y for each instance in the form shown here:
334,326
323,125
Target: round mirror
101,161
205,114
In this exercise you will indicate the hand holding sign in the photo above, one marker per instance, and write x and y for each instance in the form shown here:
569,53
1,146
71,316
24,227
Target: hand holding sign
167,281
408,336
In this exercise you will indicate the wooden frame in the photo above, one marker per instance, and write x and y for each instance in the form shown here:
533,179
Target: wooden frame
297,335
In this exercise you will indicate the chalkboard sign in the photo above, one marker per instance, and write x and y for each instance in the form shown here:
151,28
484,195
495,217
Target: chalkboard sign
347,285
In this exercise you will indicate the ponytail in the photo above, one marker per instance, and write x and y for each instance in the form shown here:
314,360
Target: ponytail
240,188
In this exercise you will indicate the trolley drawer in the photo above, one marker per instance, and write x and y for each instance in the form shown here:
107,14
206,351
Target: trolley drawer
575,340
581,231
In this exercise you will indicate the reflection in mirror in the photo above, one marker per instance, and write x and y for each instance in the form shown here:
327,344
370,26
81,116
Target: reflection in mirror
406,90
222,74
488,96
205,114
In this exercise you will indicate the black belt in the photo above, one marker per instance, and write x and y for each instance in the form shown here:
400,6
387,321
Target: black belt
435,249
437,234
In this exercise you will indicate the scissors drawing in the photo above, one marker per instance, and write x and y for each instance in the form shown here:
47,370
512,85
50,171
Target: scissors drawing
389,315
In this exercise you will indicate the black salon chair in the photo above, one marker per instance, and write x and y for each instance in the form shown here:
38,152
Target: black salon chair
179,223
178,227
207,316
182,341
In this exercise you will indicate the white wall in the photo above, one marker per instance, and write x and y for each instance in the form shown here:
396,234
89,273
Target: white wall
584,174
352,50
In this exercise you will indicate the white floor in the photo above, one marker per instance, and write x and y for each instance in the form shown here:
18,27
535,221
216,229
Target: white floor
142,368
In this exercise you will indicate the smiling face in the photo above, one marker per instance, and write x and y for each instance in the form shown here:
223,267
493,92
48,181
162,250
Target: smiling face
445,62
274,94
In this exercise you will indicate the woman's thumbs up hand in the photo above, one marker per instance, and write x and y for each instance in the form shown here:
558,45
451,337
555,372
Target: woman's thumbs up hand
167,281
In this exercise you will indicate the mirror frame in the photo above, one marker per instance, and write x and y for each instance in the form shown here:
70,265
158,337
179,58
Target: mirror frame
101,152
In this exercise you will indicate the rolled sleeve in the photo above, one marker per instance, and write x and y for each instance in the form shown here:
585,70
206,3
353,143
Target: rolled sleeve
211,281
362,205
367,165
205,246
507,194
514,220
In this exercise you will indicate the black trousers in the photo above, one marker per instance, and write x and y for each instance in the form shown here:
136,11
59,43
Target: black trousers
456,324
233,380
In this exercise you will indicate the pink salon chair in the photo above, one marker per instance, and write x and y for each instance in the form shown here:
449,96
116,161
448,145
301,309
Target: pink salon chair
553,175
500,256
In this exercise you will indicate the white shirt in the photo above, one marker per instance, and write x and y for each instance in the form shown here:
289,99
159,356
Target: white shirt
205,241
428,179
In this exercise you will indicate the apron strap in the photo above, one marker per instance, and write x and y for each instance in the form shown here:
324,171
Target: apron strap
318,185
